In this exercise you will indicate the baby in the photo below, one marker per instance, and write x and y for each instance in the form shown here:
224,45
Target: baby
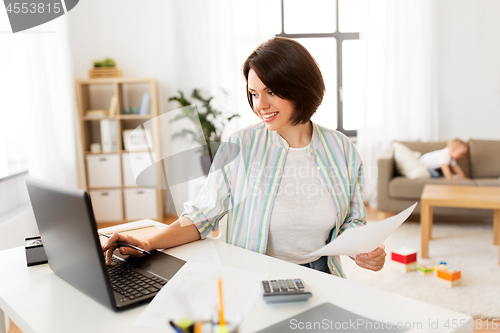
445,159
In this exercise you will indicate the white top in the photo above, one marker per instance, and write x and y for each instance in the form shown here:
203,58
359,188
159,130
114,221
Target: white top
435,159
302,215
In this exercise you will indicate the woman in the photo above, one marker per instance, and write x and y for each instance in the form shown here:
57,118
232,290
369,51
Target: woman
292,187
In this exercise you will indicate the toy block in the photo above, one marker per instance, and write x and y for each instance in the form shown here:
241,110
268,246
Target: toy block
404,255
448,275
404,268
449,283
425,270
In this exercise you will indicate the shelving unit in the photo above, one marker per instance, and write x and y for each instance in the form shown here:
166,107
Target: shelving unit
110,176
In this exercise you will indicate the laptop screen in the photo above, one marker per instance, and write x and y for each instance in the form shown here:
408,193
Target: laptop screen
67,226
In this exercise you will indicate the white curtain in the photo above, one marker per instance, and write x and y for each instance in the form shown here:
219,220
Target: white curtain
400,95
37,100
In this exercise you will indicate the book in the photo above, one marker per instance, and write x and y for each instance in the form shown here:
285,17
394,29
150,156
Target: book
114,135
144,105
113,105
97,113
137,139
109,138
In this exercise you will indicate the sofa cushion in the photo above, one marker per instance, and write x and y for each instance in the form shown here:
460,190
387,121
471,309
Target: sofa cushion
485,158
404,188
487,182
427,147
407,162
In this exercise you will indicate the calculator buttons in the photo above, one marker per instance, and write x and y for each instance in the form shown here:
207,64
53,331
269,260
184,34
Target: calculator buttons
289,290
282,285
299,284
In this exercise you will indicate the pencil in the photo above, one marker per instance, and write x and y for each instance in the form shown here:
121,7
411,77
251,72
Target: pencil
176,328
128,245
221,309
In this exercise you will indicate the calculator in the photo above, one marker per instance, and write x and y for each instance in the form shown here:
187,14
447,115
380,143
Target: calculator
286,290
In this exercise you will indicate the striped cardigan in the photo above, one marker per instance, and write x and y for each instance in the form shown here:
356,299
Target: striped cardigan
244,179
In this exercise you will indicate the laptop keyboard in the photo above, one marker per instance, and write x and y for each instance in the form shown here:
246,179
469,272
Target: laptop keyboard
130,283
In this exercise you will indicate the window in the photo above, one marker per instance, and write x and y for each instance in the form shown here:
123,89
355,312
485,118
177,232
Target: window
15,75
13,106
329,29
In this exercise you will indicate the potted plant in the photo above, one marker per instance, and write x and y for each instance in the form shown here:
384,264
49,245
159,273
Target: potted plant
104,68
212,124
108,62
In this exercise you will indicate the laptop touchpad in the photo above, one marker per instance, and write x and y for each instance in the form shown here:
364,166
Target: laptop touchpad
158,263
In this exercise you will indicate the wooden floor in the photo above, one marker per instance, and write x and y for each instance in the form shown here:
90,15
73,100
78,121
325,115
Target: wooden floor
482,326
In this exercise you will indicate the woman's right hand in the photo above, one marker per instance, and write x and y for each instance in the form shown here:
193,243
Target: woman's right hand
112,244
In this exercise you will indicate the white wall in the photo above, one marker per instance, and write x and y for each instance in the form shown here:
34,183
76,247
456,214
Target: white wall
469,68
137,35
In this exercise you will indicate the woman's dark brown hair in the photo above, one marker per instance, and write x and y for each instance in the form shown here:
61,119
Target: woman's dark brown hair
288,70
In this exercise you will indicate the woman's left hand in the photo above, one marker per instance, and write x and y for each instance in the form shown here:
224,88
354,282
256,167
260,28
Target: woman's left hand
374,260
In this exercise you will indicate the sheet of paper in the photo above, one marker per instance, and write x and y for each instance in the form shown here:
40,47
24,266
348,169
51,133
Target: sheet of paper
139,231
364,239
200,251
193,292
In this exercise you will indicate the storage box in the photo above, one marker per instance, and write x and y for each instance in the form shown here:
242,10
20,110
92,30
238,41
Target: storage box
107,205
135,163
103,170
140,204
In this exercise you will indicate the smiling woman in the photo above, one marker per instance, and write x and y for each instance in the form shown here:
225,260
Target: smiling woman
294,185
285,88
275,111
273,62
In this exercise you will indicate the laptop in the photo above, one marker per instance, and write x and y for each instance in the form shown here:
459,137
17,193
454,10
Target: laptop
68,229
330,317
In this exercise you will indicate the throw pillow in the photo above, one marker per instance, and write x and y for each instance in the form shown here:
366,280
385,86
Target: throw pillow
407,162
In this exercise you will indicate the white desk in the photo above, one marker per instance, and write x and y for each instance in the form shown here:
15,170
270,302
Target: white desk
39,301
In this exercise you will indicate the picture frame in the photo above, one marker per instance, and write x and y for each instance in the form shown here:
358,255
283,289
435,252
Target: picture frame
137,139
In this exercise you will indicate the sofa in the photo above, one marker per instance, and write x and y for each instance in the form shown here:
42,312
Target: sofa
395,192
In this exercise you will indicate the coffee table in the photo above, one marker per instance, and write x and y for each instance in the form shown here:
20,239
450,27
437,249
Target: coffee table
482,197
